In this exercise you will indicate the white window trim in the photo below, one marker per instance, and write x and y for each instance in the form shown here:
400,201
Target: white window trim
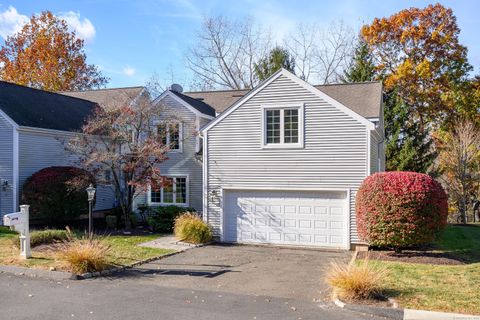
282,144
180,134
160,204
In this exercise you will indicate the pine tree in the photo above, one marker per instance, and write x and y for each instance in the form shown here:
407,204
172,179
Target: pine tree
362,67
277,58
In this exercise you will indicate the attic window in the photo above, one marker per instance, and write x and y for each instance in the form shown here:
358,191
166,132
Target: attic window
282,127
171,135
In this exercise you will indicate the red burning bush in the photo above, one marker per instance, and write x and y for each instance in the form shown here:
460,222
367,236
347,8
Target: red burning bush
400,209
56,194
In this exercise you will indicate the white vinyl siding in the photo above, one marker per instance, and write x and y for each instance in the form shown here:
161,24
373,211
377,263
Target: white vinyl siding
334,154
6,166
183,163
42,150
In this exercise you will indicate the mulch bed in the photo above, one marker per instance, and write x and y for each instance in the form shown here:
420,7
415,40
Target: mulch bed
412,256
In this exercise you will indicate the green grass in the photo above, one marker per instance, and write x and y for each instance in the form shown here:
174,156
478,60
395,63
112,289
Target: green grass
449,288
124,251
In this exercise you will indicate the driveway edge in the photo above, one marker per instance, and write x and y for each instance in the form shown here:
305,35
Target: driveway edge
391,313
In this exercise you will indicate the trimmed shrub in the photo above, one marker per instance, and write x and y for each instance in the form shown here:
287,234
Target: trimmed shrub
47,236
189,227
400,209
357,280
56,194
85,255
163,218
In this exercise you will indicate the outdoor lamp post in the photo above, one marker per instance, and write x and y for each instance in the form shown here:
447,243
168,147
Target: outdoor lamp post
91,196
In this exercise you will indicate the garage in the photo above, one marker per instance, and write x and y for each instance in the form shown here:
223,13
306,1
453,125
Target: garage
302,218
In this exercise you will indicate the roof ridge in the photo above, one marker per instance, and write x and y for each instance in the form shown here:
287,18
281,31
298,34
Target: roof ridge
104,89
59,93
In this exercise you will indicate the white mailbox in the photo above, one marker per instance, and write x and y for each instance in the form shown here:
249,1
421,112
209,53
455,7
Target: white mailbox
20,222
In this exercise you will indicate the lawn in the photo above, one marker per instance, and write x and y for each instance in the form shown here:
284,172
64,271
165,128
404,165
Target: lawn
450,288
124,251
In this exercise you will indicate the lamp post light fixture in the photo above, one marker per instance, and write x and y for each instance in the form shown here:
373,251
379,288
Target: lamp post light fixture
91,195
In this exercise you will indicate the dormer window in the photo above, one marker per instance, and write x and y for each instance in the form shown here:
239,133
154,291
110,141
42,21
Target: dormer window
171,135
282,126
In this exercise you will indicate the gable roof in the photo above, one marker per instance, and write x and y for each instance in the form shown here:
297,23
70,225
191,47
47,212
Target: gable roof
283,72
43,109
196,103
108,97
364,98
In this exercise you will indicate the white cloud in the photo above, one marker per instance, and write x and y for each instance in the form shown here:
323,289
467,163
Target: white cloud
82,27
128,71
11,22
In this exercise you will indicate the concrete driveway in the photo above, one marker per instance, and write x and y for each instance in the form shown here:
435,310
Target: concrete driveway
253,270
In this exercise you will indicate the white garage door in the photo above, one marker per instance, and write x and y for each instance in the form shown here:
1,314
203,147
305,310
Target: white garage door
286,217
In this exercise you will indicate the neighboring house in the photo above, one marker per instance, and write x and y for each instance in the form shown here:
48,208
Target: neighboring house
282,164
33,127
185,116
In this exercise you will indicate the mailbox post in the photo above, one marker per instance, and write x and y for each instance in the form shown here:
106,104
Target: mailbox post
25,233
20,222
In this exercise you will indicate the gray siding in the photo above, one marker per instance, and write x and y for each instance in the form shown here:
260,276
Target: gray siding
182,163
42,150
374,167
6,165
334,154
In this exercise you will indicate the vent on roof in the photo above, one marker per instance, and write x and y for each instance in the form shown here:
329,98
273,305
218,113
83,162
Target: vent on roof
176,87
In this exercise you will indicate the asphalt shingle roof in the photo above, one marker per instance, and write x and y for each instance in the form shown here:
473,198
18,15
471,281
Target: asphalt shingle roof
197,104
364,98
42,109
108,97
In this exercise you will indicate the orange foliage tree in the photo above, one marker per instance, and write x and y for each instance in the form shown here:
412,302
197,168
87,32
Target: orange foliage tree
46,55
419,54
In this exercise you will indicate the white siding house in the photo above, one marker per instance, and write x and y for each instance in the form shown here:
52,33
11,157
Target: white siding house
267,182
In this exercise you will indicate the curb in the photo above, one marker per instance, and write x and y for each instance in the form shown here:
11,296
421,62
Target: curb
37,273
391,313
108,272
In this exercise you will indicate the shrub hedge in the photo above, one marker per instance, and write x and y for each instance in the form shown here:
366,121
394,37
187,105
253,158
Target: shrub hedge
46,236
161,219
56,194
400,209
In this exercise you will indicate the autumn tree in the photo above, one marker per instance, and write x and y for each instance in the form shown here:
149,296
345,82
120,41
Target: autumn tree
128,141
419,52
459,161
277,58
44,54
406,147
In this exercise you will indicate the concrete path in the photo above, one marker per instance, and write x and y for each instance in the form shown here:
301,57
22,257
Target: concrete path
167,242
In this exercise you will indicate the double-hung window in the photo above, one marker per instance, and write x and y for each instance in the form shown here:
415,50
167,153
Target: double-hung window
171,135
282,126
176,192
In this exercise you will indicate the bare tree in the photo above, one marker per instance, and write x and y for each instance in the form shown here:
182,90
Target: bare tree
225,53
302,44
459,160
334,52
321,55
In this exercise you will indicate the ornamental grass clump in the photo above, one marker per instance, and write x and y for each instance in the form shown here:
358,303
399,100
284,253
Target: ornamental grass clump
190,227
87,254
400,209
357,280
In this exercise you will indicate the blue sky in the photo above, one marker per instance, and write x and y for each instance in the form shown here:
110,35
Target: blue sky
132,40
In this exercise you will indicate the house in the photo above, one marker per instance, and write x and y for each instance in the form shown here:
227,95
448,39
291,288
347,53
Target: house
277,164
33,127
186,116
282,164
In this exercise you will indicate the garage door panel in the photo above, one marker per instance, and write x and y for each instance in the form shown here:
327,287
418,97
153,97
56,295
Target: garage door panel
289,217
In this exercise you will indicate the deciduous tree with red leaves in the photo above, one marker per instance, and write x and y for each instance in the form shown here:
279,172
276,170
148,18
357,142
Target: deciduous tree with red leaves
125,141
